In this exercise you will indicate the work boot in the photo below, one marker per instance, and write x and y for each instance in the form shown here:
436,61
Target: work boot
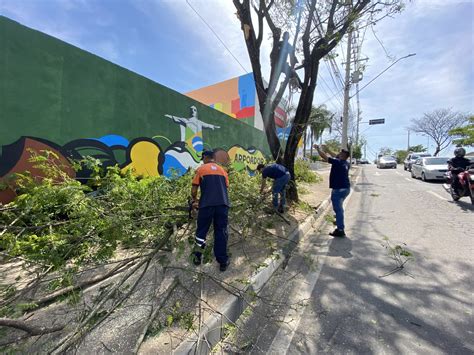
223,266
338,233
281,209
196,259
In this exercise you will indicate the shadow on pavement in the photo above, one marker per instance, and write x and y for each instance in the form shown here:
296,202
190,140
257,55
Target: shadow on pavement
357,311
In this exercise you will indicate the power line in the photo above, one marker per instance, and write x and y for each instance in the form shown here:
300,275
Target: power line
217,36
330,90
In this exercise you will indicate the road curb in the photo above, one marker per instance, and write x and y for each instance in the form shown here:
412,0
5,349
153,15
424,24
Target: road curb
212,330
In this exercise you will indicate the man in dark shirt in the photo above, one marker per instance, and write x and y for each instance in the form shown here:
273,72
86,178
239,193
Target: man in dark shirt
456,165
281,177
213,208
339,183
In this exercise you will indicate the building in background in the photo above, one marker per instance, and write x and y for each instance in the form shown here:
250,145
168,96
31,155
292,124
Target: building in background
237,97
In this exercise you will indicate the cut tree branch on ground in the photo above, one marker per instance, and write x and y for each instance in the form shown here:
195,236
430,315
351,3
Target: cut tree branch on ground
30,329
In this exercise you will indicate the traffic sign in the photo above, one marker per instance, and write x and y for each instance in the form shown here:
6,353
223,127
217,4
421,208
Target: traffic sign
377,121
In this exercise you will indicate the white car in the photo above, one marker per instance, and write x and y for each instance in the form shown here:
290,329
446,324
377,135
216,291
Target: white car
432,168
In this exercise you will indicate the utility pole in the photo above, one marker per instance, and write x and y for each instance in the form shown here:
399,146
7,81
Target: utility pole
408,144
347,87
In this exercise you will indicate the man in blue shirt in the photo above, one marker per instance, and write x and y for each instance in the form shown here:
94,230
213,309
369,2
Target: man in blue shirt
339,183
281,177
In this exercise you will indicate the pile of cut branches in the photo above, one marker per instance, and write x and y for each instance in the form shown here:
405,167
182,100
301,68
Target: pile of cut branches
57,229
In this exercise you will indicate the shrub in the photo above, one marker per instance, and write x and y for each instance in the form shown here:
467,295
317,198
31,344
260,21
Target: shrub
303,172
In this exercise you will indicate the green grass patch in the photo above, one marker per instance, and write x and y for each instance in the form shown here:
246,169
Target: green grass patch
329,218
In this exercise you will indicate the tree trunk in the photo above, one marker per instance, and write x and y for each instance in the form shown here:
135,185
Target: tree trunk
438,149
311,144
303,111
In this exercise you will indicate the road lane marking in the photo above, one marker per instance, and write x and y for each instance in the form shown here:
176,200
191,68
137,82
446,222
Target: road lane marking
377,174
396,172
438,196
407,179
282,340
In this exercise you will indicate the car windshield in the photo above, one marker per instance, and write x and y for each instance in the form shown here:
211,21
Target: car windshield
388,158
436,161
414,157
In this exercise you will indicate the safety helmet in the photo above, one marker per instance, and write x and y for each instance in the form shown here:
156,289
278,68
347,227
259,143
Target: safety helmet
460,152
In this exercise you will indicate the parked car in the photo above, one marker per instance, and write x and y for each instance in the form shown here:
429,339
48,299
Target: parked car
411,158
363,161
430,168
387,161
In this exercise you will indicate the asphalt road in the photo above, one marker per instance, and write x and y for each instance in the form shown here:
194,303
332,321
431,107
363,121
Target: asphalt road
343,301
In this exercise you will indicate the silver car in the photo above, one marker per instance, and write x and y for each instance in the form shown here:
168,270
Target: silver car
412,158
387,161
429,168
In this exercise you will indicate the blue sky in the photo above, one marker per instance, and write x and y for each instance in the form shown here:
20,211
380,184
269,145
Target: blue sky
167,42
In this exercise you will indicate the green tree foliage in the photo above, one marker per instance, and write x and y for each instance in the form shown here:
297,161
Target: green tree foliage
401,155
61,225
464,134
417,148
333,144
357,151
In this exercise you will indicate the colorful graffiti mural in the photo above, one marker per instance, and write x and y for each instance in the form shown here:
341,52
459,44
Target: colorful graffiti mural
236,97
144,157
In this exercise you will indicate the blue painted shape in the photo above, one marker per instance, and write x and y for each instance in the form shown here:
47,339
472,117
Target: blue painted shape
198,144
247,91
113,140
172,166
283,133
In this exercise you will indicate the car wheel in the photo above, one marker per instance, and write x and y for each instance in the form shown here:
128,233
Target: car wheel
405,167
412,175
423,177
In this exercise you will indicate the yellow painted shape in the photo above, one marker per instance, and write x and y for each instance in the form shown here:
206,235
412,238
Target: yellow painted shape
238,155
218,106
144,159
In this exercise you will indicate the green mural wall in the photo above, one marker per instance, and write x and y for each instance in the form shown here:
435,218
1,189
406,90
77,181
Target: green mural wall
54,94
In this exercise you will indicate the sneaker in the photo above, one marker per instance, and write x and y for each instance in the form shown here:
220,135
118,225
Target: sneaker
196,259
223,266
338,233
281,209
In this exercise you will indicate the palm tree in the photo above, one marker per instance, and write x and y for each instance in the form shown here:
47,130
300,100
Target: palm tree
319,120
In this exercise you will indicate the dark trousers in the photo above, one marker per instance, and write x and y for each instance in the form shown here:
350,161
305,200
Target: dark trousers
337,198
279,189
455,184
218,216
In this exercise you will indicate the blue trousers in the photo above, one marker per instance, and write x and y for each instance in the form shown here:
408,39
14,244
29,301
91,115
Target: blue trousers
218,216
279,189
337,198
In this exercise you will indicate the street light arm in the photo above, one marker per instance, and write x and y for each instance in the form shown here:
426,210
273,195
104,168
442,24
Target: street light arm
395,62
